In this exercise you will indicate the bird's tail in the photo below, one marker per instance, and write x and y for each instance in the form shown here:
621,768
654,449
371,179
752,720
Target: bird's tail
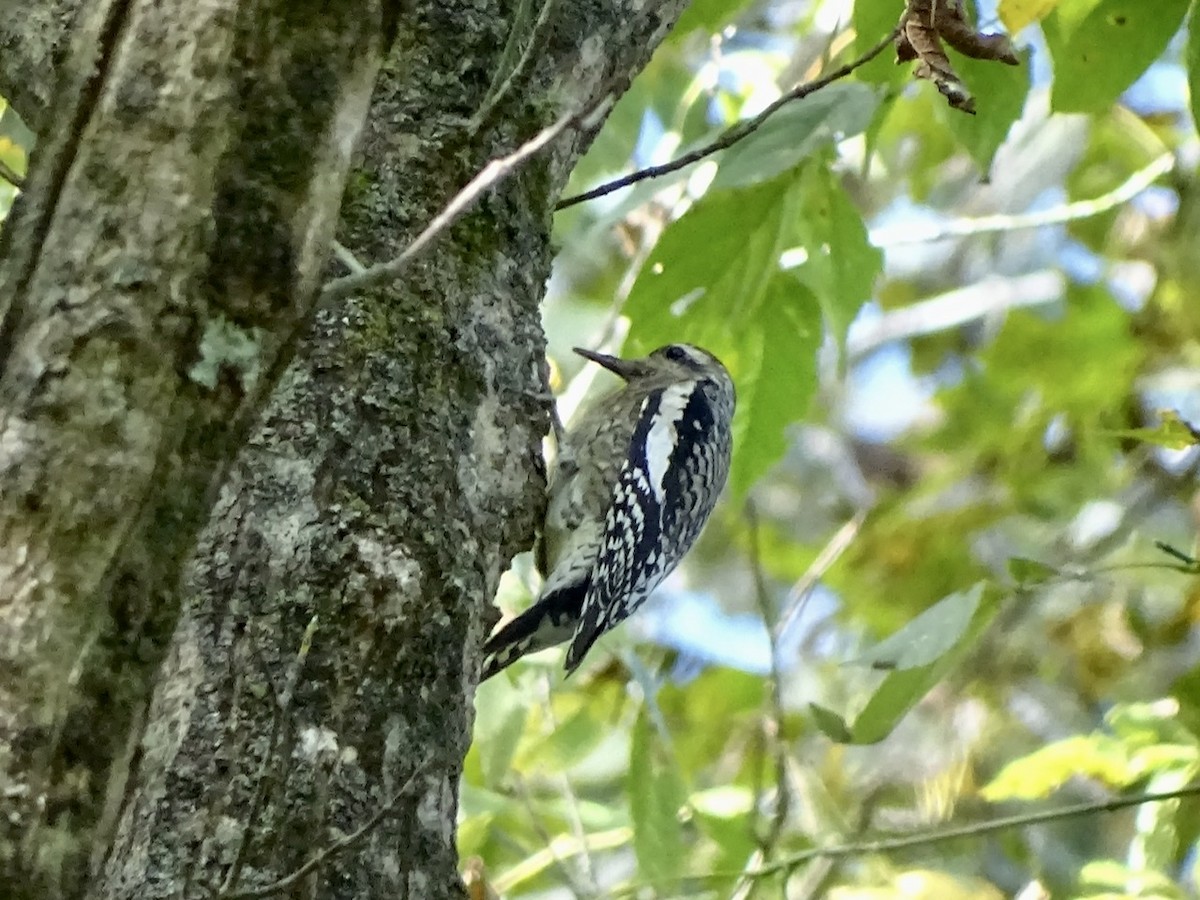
551,620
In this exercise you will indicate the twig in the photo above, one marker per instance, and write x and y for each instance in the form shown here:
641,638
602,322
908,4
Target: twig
492,102
1191,566
813,882
773,720
489,176
293,674
562,847
1059,215
279,727
793,604
734,134
989,296
348,259
336,847
1060,574
257,801
587,868
975,829
570,876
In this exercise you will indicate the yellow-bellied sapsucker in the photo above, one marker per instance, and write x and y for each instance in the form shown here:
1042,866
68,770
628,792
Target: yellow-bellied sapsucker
636,479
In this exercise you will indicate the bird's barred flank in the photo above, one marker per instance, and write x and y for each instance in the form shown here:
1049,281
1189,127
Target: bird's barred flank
636,479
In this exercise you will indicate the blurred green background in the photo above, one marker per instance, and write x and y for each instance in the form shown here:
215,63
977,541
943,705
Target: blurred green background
967,356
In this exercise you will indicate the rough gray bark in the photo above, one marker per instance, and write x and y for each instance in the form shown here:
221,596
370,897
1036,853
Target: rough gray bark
327,650
33,46
155,274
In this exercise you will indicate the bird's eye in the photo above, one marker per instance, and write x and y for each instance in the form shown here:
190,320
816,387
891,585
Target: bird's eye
675,353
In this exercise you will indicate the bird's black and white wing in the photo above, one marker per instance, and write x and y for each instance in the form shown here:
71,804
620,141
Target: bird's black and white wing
675,468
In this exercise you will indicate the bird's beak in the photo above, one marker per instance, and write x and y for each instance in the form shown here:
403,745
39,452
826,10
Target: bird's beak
625,368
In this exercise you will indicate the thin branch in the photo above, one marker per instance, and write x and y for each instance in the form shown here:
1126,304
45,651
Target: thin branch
926,838
293,674
1001,222
578,888
348,259
737,132
976,829
772,720
1191,566
989,296
793,604
279,728
562,847
492,103
815,879
587,868
575,816
336,847
489,176
262,782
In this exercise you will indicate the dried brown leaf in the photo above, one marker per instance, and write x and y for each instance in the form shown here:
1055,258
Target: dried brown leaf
930,22
959,34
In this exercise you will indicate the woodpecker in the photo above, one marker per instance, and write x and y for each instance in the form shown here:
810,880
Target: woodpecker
636,478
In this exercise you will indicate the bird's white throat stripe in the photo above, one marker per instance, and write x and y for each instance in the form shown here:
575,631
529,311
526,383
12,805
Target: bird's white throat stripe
661,441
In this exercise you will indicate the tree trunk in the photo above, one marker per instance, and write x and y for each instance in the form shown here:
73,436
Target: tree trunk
155,276
308,725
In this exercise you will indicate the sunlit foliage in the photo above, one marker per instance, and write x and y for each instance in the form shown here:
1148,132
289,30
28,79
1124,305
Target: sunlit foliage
967,351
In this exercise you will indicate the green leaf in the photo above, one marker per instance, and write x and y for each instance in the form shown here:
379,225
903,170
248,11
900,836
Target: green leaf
707,15
1147,724
840,264
929,636
723,814
724,695
568,744
561,848
831,724
903,689
873,21
788,331
1029,571
795,132
1156,844
1044,771
1192,61
1100,49
1107,879
714,279
472,833
1171,432
1146,739
725,802
656,794
1000,92
707,275
1017,14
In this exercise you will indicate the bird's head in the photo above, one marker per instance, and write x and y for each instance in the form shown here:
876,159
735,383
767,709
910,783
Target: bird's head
670,364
